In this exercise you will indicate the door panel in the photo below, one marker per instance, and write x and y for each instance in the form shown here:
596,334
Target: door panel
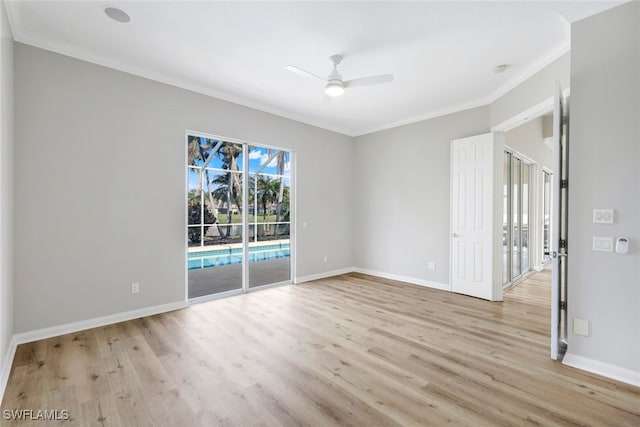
215,241
559,231
269,217
472,161
507,247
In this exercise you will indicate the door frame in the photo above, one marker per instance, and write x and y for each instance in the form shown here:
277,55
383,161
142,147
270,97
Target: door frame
542,108
245,228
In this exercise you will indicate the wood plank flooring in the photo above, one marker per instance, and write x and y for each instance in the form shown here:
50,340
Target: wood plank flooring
351,350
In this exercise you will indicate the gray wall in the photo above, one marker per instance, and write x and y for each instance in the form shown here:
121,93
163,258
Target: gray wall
604,288
6,189
532,91
100,187
528,139
401,183
401,196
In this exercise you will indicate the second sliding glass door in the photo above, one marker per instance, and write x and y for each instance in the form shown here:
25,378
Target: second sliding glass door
238,216
269,216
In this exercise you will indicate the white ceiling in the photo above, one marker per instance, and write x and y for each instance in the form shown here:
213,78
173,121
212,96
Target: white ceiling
441,53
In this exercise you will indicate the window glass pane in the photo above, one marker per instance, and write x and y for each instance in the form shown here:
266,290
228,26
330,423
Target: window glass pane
269,248
524,219
506,250
546,215
515,216
194,198
213,208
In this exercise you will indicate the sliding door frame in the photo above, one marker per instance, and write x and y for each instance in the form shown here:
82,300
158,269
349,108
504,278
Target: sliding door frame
515,156
245,217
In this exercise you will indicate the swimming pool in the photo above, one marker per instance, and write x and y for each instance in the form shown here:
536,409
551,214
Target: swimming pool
228,256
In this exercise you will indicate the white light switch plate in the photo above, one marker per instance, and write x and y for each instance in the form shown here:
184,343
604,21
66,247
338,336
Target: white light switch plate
603,216
603,244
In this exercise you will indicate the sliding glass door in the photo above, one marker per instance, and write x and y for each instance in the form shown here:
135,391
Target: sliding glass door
237,222
515,223
270,216
214,229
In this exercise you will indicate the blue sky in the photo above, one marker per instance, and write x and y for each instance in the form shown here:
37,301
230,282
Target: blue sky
257,156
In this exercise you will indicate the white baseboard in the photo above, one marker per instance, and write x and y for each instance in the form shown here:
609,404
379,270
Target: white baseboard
382,274
7,363
625,375
324,275
412,280
68,328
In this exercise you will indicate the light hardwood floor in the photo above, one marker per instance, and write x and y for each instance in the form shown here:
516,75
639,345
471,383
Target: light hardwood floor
351,350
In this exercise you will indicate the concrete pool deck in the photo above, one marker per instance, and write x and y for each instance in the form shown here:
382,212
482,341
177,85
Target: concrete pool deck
212,280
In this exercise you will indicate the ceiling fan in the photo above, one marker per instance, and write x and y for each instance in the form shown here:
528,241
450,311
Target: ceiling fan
335,85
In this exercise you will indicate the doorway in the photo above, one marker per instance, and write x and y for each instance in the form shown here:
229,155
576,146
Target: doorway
238,207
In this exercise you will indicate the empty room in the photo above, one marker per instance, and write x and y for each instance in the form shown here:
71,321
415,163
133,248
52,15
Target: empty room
283,213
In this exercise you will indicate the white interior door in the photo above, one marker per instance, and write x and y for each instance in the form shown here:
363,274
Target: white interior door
558,231
472,217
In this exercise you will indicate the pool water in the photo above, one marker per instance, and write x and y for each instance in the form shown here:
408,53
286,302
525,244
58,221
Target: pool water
219,257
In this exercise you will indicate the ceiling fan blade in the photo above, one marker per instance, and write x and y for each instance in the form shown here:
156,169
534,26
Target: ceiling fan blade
368,81
302,72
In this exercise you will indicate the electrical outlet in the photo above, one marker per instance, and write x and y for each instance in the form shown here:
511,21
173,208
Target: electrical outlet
431,266
603,216
135,288
325,259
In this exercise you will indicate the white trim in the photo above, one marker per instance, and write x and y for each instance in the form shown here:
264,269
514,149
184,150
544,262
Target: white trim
618,373
422,117
527,72
318,276
7,364
530,113
82,325
406,279
218,295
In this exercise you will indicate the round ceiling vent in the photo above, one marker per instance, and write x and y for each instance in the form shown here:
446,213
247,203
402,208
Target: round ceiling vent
116,14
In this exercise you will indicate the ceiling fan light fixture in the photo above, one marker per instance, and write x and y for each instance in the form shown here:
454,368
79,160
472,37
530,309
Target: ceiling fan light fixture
334,89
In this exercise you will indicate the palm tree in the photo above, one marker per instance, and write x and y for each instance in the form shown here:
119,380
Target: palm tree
199,149
267,193
280,164
229,152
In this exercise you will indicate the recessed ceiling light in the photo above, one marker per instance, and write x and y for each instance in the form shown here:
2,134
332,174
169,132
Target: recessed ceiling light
500,68
116,14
